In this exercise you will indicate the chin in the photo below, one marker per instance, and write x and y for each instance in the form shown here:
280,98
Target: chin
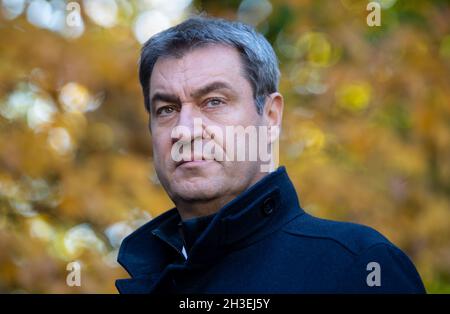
196,189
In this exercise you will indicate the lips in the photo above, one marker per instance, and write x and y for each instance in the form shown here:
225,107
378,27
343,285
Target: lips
192,160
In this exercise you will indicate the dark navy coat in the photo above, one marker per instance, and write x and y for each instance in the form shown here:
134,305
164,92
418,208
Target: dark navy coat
264,242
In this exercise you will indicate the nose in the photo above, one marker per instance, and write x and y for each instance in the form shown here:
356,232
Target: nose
189,126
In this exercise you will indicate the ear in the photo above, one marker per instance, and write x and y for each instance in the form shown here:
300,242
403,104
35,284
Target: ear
273,114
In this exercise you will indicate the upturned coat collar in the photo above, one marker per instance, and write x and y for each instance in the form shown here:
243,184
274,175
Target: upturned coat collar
156,247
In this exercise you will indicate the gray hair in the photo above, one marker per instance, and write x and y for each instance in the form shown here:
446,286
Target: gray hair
260,63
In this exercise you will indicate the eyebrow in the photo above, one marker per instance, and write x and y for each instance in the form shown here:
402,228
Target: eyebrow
210,88
170,98
165,98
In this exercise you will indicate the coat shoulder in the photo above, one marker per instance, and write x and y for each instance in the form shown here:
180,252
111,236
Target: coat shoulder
354,237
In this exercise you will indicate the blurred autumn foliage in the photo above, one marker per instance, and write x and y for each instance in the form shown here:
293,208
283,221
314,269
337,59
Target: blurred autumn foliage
365,136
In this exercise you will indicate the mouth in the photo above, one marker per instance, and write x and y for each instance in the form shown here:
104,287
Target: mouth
193,163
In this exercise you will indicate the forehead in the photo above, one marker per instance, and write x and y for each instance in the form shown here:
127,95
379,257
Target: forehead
198,67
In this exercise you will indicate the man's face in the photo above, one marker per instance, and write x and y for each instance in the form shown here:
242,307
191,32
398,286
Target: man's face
207,83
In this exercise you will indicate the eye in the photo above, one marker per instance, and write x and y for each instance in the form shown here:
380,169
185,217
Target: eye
165,110
214,102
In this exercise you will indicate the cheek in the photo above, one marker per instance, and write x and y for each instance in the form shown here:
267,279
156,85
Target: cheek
247,112
236,115
251,110
162,145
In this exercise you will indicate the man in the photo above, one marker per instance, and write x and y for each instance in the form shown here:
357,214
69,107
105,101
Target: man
237,228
